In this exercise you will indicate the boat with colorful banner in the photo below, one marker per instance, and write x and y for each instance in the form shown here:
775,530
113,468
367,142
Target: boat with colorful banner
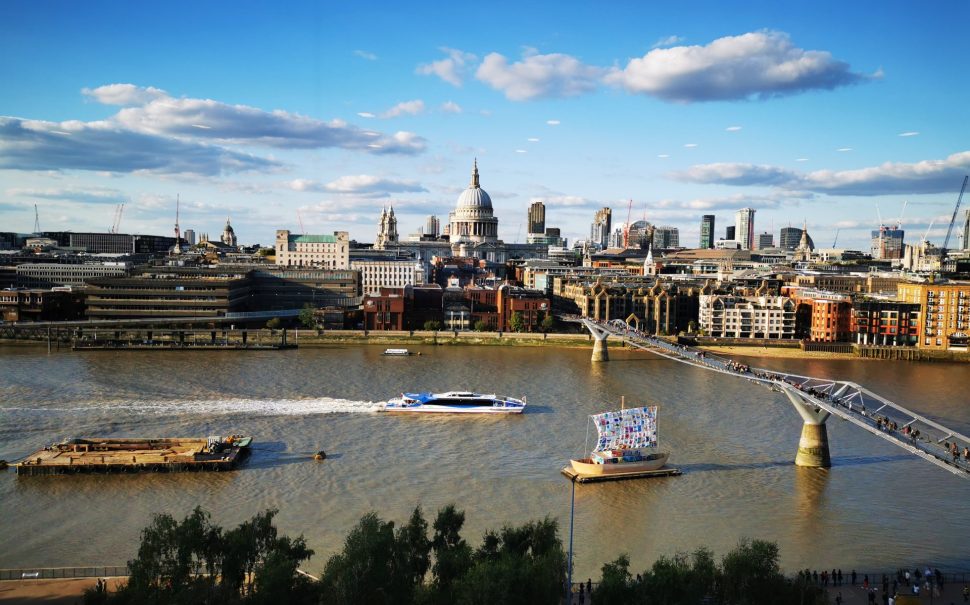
462,402
626,445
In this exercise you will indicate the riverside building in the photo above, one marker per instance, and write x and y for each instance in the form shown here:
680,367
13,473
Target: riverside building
770,317
945,320
324,251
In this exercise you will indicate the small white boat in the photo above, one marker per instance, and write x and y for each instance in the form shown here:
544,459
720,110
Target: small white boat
455,402
626,445
397,352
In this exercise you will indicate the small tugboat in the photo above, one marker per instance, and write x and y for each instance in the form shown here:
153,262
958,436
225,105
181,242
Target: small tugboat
461,402
625,448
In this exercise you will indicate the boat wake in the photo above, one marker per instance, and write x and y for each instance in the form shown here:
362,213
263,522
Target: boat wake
254,407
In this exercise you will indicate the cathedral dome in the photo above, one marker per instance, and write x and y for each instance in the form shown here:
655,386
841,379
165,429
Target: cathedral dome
474,197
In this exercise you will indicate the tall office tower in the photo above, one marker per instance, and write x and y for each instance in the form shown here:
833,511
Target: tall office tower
729,233
537,217
887,243
432,227
599,232
790,236
189,237
766,240
665,237
744,227
707,231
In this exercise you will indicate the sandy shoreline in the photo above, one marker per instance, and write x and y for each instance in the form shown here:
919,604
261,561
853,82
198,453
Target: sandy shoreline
777,353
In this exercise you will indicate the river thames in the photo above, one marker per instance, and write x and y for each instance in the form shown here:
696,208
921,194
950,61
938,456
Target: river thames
877,508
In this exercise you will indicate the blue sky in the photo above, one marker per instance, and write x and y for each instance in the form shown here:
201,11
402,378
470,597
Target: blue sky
811,111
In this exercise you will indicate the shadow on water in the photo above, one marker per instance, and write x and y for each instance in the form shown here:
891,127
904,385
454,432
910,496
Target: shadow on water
539,409
703,467
272,454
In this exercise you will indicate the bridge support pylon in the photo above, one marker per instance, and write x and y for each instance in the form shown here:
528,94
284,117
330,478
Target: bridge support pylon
600,352
813,446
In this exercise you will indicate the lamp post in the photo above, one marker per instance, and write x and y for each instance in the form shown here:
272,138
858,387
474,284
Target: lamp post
569,560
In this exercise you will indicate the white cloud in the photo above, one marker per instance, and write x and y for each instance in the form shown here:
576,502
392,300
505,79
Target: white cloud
754,65
521,151
362,185
733,128
690,145
124,94
844,149
450,107
667,41
801,159
664,155
366,114
91,195
533,140
104,146
927,176
553,122
452,69
410,108
241,124
911,133
363,54
539,76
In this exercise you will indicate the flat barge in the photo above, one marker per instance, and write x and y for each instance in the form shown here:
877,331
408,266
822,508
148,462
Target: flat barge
663,472
118,455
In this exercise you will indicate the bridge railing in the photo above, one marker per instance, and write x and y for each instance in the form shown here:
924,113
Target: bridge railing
56,573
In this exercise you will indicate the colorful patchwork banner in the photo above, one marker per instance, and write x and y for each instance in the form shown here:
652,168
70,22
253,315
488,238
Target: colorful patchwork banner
626,429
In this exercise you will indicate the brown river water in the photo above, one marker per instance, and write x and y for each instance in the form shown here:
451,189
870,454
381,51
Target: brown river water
877,508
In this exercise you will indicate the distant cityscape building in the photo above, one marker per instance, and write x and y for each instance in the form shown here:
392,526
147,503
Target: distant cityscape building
386,230
744,227
945,320
640,235
473,219
377,274
723,316
229,235
325,251
537,218
887,243
707,231
601,231
790,236
766,240
665,237
432,226
189,236
49,275
730,233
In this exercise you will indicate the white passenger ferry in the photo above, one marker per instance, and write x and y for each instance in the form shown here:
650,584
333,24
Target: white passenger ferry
456,402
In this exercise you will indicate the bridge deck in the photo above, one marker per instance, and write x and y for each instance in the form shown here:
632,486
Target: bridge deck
849,401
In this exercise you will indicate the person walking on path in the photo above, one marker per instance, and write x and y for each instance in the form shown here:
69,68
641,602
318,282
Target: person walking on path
853,577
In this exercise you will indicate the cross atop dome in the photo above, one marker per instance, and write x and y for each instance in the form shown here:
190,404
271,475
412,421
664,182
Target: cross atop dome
474,184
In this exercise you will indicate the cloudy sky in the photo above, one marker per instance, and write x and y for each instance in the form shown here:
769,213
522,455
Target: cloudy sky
817,112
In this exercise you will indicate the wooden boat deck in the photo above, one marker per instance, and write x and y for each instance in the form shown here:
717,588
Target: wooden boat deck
572,475
97,455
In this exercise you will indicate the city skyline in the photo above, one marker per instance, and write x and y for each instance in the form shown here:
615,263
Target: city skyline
337,112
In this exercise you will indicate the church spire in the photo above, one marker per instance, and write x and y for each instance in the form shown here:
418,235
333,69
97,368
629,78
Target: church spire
474,184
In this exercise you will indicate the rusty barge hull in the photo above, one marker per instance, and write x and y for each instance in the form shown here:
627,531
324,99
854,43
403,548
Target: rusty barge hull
114,455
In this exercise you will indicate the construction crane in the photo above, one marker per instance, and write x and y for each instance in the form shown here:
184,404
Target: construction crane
836,237
36,220
956,209
626,227
300,218
117,220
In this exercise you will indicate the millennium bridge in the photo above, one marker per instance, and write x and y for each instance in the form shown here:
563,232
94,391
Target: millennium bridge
815,400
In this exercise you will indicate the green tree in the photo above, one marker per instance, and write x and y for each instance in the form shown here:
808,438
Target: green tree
274,323
480,326
519,565
452,555
691,326
515,322
363,571
432,325
548,323
616,584
307,317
